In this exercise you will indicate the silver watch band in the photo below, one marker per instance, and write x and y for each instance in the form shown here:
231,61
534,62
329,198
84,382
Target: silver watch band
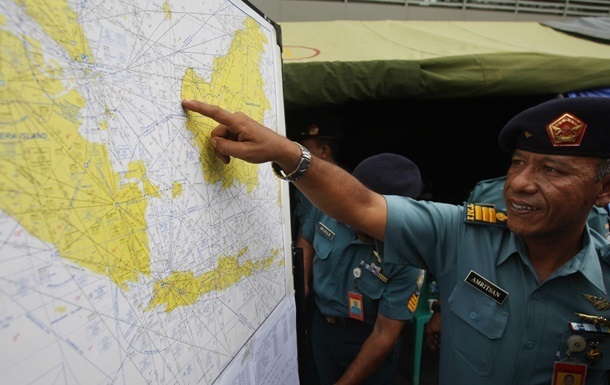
303,165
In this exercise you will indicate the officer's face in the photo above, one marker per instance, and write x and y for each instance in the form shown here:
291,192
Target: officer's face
548,197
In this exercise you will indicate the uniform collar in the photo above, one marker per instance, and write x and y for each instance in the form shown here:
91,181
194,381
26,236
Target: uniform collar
586,261
510,246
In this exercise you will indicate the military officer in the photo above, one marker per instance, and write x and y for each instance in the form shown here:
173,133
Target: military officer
524,296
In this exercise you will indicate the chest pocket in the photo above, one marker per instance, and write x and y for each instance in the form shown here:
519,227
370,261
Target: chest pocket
322,265
485,323
328,236
369,285
322,247
372,289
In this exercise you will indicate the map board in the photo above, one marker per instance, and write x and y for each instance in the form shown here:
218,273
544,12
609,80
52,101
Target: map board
129,254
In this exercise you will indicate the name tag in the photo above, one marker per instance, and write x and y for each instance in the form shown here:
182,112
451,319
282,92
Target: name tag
325,231
486,287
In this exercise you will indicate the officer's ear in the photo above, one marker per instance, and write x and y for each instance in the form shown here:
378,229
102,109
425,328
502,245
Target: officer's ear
603,198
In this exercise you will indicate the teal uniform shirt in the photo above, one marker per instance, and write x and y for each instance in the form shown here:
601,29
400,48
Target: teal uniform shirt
301,209
500,324
338,251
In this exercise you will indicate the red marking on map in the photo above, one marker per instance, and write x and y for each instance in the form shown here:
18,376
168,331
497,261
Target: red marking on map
296,52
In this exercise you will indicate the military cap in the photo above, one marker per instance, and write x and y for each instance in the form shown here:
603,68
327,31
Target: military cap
565,126
390,174
313,124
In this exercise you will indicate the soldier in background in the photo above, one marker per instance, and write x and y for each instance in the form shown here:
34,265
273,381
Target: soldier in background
320,131
362,302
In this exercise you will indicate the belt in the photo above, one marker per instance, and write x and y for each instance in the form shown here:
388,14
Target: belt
340,321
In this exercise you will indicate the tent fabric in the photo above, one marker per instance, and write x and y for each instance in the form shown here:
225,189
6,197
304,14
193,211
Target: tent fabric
331,62
588,27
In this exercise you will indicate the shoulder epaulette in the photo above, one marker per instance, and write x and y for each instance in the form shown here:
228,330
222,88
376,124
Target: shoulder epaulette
484,214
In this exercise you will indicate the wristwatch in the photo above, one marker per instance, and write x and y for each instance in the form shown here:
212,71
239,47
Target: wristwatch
303,165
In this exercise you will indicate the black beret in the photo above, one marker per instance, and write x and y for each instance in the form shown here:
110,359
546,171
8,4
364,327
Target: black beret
566,126
390,174
313,124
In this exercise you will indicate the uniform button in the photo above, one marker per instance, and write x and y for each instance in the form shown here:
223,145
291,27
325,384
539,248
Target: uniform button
529,344
537,295
473,315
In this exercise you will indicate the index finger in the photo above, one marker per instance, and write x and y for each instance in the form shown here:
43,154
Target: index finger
218,114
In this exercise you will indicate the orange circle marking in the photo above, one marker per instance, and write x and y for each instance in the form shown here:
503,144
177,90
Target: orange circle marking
296,52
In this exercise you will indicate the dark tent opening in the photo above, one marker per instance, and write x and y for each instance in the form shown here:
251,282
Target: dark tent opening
454,141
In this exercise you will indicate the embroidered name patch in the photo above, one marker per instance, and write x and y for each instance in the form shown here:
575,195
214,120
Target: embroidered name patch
486,287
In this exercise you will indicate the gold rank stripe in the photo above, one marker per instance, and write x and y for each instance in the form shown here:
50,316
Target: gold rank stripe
485,214
413,301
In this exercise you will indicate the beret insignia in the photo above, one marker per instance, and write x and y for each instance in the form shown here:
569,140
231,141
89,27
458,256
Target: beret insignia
312,130
316,123
566,130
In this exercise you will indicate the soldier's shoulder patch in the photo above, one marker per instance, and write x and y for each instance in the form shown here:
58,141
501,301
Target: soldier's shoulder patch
484,214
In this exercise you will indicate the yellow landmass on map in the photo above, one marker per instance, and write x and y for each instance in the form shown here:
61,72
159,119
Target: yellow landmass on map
63,189
60,187
183,288
236,85
167,10
137,171
177,190
104,123
60,22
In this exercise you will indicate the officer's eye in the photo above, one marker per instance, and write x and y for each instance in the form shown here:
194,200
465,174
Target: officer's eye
550,169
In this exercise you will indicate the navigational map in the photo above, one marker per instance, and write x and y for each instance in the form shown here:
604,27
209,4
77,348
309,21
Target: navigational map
129,254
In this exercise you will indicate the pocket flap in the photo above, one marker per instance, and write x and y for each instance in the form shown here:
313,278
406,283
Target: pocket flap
482,313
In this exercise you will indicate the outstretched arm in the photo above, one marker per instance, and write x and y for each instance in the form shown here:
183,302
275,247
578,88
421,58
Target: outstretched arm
329,187
374,351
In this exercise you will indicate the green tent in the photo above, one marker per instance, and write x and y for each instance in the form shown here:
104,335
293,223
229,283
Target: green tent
331,62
